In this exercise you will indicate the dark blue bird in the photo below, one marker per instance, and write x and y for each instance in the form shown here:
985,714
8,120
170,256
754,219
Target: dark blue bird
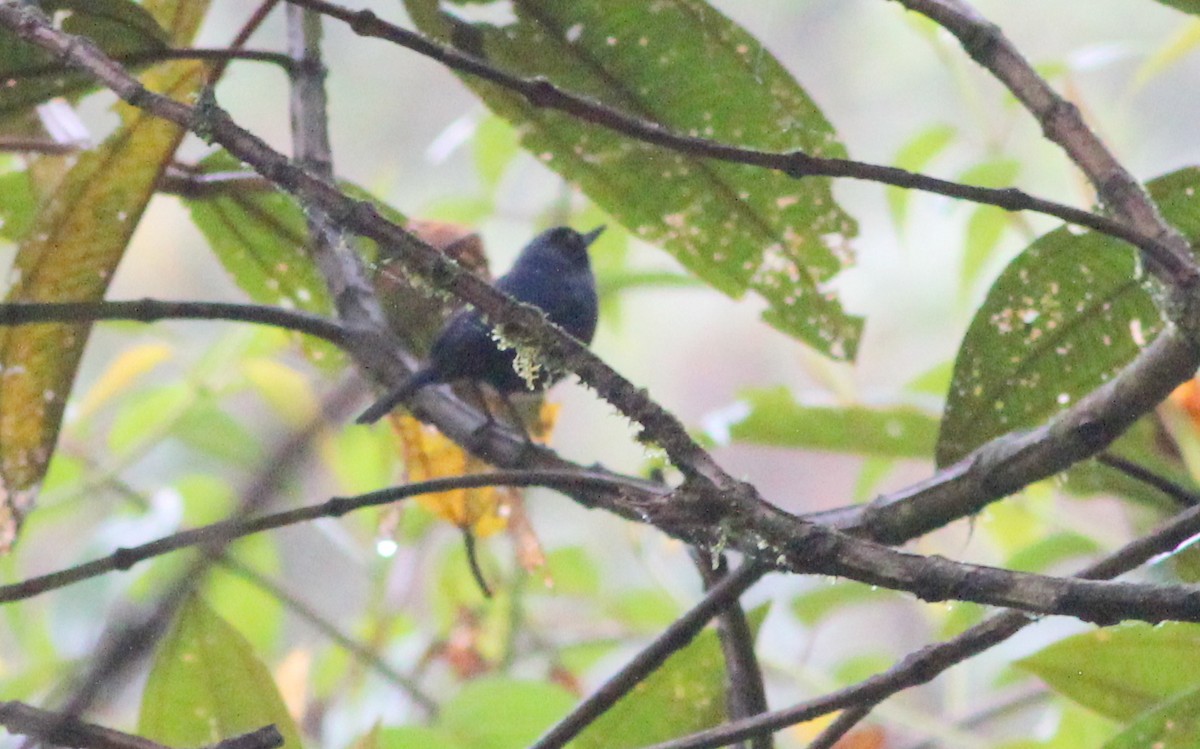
552,273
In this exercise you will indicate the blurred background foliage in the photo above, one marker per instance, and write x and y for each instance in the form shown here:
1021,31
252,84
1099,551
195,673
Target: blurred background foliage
734,295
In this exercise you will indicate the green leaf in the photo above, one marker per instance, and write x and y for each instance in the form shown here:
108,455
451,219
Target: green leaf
18,205
409,737
361,460
1124,670
1061,319
206,685
1174,725
686,694
147,416
775,418
1044,553
645,609
255,611
573,572
814,605
914,156
1187,6
674,62
260,236
205,427
495,148
119,27
498,713
987,223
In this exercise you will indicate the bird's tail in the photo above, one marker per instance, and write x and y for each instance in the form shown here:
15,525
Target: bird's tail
384,405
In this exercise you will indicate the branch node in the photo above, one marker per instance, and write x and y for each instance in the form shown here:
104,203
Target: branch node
981,41
363,22
124,558
540,92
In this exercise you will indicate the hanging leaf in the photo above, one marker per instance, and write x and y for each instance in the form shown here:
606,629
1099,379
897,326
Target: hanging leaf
683,64
70,253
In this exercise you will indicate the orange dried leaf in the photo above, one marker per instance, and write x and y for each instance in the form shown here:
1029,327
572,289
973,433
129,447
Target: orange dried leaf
428,455
1187,398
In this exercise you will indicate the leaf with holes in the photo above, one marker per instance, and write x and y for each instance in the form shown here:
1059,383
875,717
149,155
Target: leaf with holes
1061,319
684,65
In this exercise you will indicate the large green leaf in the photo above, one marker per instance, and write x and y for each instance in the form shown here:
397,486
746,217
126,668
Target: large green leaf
71,251
683,64
1173,725
206,685
119,27
1124,670
498,713
1061,319
686,694
775,418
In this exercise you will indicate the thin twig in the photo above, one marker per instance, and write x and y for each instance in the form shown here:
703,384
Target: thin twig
745,695
154,310
135,59
226,531
369,658
243,35
1138,472
842,725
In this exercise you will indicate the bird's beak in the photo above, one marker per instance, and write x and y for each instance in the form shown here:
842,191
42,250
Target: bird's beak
591,235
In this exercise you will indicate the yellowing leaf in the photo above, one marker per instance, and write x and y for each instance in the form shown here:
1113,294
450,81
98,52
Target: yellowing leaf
70,253
429,455
122,373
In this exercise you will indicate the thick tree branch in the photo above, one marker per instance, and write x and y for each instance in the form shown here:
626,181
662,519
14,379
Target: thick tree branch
923,665
711,508
67,730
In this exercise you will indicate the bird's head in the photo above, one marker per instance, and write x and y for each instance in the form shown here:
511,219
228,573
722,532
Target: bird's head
561,244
